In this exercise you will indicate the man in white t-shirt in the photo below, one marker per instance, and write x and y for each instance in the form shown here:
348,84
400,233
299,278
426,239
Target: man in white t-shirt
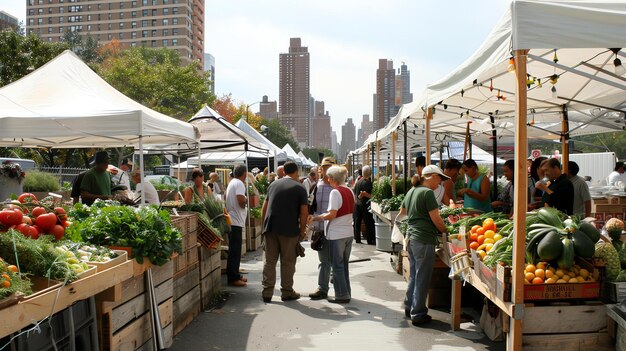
144,189
122,177
582,197
236,207
617,175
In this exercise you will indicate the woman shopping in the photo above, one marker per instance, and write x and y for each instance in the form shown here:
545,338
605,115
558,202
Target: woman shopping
198,191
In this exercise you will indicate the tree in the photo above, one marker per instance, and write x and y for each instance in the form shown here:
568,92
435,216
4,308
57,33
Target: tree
225,106
613,141
314,152
278,134
21,55
155,78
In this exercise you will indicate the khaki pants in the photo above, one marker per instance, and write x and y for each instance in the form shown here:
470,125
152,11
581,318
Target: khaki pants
284,247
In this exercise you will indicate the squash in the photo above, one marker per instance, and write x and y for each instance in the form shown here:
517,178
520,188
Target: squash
550,247
590,230
566,260
583,246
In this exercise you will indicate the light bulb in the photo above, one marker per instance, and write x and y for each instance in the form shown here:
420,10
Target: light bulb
511,67
539,83
619,68
554,78
491,85
553,90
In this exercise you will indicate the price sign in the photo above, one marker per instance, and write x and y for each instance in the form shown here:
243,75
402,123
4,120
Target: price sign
536,153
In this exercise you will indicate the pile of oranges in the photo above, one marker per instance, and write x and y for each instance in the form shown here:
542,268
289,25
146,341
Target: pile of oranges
6,270
482,238
543,273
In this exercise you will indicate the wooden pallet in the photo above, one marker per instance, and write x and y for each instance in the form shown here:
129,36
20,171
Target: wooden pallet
124,321
210,275
187,303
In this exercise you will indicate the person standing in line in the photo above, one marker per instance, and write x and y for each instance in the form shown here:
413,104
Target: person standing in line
339,231
322,196
476,192
218,188
310,180
425,226
560,193
452,168
582,196
123,177
363,193
285,213
280,172
236,206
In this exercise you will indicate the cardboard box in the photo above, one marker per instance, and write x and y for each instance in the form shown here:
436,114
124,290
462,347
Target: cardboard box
598,215
613,200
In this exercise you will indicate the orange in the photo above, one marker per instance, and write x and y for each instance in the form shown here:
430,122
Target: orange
488,224
542,265
6,276
481,239
489,234
5,284
480,231
531,268
540,273
529,276
474,245
12,268
549,274
474,229
537,280
474,237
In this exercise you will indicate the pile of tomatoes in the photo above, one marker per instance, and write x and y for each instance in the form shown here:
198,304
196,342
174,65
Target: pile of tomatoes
32,219
482,238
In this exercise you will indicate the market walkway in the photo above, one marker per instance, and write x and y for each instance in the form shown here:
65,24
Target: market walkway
374,319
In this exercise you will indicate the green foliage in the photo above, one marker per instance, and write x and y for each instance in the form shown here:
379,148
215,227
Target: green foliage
313,153
613,141
392,204
21,55
381,189
262,184
211,213
146,230
256,212
155,78
40,181
278,134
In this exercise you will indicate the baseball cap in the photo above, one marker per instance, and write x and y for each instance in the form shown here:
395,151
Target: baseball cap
429,170
328,161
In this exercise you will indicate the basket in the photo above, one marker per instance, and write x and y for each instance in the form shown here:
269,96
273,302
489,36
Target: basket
206,236
461,265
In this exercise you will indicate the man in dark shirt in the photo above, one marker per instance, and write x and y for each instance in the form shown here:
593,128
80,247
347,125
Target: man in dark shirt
96,183
560,192
285,213
363,193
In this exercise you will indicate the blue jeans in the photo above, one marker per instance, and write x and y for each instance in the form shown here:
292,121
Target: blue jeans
324,268
234,253
422,259
339,256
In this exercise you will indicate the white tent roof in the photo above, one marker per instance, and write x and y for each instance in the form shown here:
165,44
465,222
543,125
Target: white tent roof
291,154
66,104
225,158
281,156
455,150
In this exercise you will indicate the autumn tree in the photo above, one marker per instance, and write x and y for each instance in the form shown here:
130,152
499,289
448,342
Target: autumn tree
225,106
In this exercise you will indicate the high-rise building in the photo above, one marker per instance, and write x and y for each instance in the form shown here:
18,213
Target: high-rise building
7,21
405,78
385,93
348,139
175,24
334,145
367,128
318,108
209,66
294,90
268,109
321,131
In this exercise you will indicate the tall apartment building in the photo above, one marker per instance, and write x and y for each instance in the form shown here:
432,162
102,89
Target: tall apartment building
367,128
334,145
175,24
7,21
405,85
321,131
209,66
268,109
348,139
385,93
294,90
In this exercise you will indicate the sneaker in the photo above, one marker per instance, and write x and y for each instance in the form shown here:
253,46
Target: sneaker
238,283
267,299
318,295
288,296
341,301
421,320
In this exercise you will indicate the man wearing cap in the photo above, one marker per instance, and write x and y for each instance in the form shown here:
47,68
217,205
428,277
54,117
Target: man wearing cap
322,197
123,177
96,183
423,233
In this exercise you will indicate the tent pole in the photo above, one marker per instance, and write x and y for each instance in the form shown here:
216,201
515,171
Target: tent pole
441,156
244,239
377,156
429,116
393,163
565,139
466,142
520,201
406,160
374,170
141,165
494,144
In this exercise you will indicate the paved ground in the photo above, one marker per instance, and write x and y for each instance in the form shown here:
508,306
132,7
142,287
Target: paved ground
374,319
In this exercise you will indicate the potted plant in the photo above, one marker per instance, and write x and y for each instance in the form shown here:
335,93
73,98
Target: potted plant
11,177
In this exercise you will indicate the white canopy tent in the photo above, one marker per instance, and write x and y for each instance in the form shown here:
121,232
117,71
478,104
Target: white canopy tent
276,152
455,150
292,155
225,158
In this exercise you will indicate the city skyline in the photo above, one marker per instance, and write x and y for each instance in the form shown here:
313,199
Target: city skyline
246,36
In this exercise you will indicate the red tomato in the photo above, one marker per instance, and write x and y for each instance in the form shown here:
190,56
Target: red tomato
27,198
38,211
67,224
10,217
58,231
59,210
46,221
27,220
28,230
35,232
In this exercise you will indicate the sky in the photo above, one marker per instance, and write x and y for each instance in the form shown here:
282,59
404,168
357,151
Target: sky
345,39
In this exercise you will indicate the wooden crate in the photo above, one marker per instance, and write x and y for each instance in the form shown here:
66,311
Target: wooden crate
209,286
210,260
192,220
180,262
186,280
181,223
186,309
568,327
192,255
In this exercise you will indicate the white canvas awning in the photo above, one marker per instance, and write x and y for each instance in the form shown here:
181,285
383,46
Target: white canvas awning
275,151
292,155
225,158
64,104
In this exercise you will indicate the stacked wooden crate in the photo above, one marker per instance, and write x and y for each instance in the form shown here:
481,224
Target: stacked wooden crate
124,320
210,274
253,239
187,223
187,277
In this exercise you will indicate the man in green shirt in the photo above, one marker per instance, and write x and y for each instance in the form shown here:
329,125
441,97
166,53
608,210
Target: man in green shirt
425,226
96,184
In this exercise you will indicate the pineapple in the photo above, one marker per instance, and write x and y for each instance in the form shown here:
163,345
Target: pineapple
614,228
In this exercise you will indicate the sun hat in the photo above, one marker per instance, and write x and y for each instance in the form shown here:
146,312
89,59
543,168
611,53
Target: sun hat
429,170
328,161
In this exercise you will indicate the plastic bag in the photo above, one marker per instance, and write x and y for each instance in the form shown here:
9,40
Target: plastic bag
396,233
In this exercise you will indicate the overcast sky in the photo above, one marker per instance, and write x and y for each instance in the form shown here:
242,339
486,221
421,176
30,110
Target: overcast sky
345,40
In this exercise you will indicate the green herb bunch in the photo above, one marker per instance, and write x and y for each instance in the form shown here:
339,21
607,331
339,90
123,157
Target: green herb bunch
392,204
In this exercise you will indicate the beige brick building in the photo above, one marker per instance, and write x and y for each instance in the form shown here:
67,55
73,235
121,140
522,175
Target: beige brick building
294,91
175,24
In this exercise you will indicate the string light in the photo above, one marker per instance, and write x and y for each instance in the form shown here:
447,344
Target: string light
554,79
553,90
511,67
555,58
530,80
539,83
491,85
619,68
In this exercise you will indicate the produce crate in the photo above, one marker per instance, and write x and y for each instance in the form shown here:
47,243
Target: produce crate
484,273
181,222
210,275
122,256
192,220
210,260
614,292
540,292
565,327
125,322
206,237
253,237
187,304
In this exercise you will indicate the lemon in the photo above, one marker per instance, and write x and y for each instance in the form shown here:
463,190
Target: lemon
489,241
489,247
580,279
561,281
584,273
566,277
572,280
559,273
550,281
549,273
